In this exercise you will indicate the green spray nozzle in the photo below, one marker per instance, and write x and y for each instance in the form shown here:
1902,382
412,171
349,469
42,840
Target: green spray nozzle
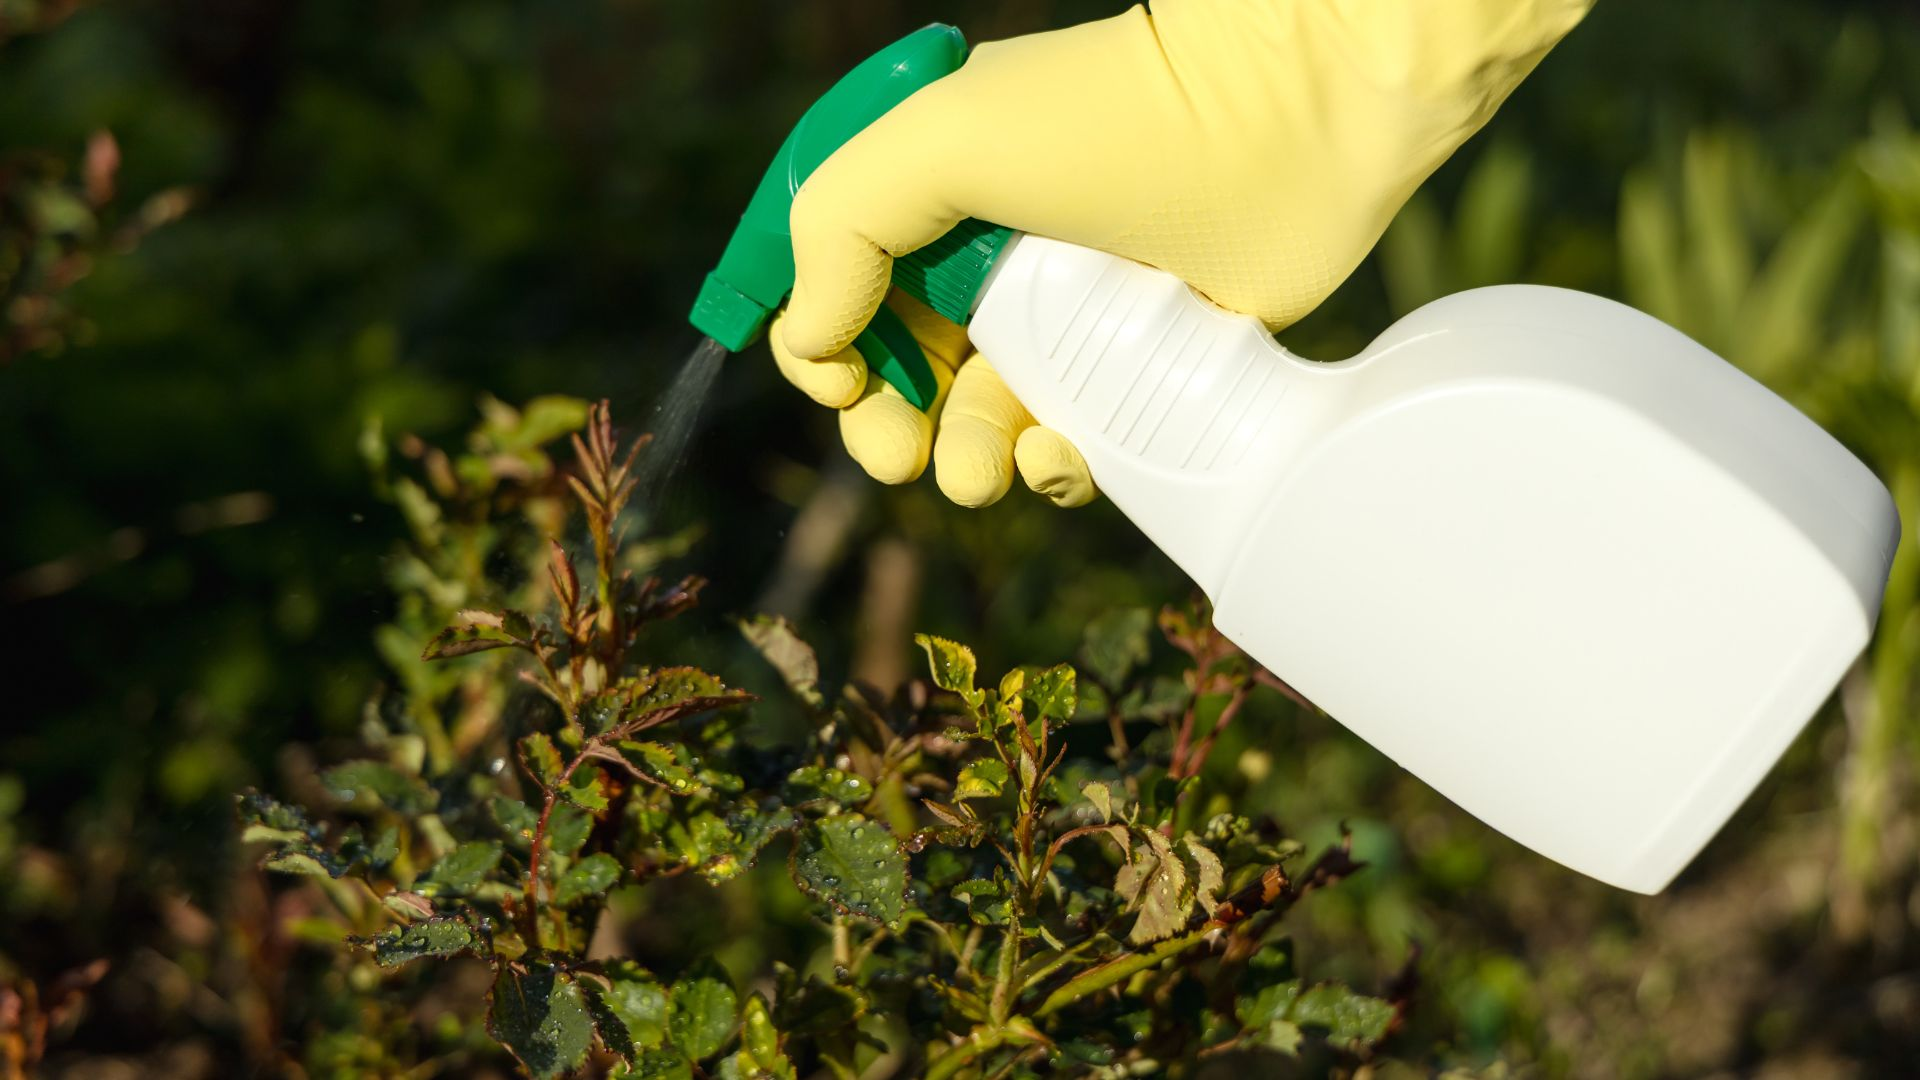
755,273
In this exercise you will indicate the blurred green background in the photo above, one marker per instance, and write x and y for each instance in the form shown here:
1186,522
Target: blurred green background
232,232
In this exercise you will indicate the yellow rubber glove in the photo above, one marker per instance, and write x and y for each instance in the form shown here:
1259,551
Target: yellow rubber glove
1256,149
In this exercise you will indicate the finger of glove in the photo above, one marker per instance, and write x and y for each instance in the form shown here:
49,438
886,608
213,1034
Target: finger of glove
886,434
973,449
1051,466
881,194
835,380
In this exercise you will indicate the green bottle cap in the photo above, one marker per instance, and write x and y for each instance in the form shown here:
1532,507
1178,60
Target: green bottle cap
949,273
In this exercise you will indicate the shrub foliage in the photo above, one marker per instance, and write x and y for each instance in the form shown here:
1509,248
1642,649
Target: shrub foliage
1002,882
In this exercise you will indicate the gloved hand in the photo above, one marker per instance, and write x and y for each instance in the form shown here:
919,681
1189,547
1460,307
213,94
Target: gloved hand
1256,149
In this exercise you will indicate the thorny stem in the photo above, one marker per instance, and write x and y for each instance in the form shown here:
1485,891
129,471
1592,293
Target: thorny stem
538,847
1193,762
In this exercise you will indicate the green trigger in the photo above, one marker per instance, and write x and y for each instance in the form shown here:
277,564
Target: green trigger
892,353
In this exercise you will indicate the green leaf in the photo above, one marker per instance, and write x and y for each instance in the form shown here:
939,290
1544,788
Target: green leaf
759,1054
589,877
541,759
780,645
435,937
981,778
1051,694
666,694
747,833
639,1001
461,870
1267,1004
588,788
701,1010
265,818
852,864
661,764
612,1029
952,665
1352,1020
986,899
1116,643
820,783
758,1036
1101,796
478,631
539,1014
379,783
516,819
567,828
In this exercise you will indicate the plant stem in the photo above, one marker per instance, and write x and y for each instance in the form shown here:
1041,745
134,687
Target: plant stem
1007,964
1114,972
842,946
538,847
980,1042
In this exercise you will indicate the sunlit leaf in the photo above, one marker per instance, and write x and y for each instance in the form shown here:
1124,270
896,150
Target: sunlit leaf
819,783
777,641
1209,877
952,666
852,864
663,695
1101,796
542,759
701,1010
660,764
639,1001
981,778
1154,883
478,631
1051,694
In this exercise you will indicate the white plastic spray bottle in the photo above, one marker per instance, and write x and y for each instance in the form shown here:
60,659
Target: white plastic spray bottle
1573,570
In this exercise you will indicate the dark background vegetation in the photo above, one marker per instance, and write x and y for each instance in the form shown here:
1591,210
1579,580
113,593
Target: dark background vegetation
329,212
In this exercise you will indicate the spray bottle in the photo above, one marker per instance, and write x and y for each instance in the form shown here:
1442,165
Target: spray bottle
1567,566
